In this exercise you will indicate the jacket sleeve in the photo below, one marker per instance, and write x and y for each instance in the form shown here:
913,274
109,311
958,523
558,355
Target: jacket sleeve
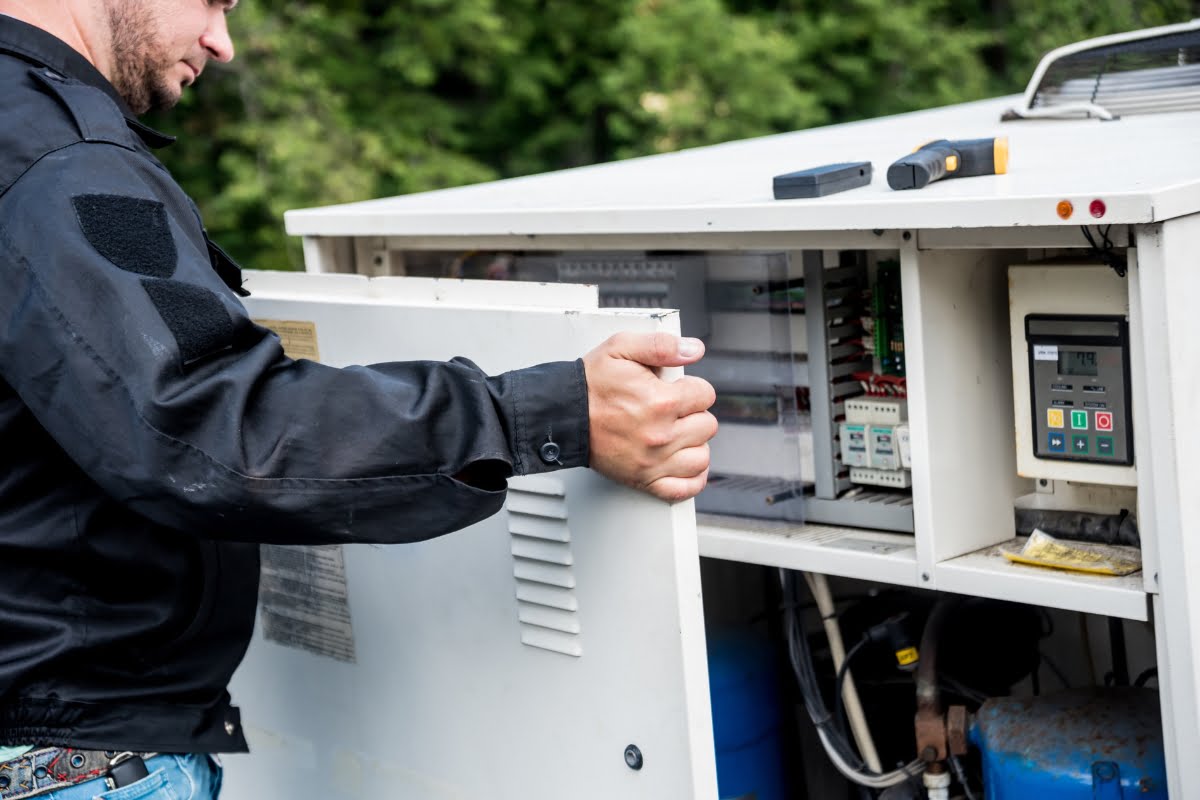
145,368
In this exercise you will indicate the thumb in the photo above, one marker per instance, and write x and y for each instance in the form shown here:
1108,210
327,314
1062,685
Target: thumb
657,349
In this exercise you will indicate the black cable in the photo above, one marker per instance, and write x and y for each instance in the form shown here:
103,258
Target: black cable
839,704
806,679
839,750
1104,251
1058,673
1150,674
1120,660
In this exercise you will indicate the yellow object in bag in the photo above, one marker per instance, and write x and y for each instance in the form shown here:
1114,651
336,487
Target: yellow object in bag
1043,550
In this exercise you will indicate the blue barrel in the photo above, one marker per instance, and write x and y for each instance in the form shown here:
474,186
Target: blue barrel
745,708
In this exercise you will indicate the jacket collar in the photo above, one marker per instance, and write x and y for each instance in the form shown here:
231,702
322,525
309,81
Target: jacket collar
38,47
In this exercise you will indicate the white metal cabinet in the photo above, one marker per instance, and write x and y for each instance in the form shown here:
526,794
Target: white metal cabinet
955,240
515,659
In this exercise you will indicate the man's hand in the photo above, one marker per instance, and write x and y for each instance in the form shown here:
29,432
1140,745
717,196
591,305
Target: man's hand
645,432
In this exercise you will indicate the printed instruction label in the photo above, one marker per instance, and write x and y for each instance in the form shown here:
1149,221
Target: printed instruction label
299,338
1045,352
303,600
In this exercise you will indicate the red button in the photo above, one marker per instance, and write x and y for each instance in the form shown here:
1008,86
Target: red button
1104,420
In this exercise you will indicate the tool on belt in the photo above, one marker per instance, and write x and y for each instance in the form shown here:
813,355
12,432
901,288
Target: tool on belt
49,768
944,158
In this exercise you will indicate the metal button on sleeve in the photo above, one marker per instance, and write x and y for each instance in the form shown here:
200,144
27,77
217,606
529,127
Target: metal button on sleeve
550,452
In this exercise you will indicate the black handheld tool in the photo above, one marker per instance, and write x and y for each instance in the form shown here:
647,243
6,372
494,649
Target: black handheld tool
821,181
963,158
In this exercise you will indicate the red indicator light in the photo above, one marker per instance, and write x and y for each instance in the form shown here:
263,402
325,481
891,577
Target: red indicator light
1097,208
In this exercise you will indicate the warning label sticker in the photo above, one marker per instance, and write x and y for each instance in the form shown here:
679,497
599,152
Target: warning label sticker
303,600
299,338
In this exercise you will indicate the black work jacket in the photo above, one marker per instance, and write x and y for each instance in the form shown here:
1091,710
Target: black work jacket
151,435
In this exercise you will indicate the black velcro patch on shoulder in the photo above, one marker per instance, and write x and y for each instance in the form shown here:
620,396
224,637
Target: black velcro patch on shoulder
130,232
197,319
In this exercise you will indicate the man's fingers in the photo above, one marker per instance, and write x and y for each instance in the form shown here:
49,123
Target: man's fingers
692,431
686,463
655,349
645,432
692,395
674,489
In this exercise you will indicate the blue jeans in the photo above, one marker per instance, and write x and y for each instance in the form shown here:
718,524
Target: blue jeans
187,777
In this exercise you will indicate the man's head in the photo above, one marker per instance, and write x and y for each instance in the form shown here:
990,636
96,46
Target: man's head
149,49
157,47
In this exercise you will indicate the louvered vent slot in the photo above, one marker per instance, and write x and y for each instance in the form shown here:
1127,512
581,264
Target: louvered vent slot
547,609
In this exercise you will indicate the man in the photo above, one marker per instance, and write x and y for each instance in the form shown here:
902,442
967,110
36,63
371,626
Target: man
153,435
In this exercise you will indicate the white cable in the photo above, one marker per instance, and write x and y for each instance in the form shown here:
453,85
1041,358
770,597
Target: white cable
819,586
871,781
893,778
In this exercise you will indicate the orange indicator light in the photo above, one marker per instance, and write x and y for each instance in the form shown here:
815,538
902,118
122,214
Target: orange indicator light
1065,209
1097,208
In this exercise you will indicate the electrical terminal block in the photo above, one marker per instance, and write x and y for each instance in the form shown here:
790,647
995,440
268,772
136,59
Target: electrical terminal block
904,446
876,410
894,479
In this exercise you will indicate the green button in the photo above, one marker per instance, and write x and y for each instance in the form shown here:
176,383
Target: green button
1079,420
1079,445
1104,446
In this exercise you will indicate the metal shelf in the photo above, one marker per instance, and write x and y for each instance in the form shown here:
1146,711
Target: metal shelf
830,550
986,573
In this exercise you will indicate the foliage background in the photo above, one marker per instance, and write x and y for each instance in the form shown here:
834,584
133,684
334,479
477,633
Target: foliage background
343,100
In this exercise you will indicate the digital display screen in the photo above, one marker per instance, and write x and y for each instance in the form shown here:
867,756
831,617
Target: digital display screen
1078,362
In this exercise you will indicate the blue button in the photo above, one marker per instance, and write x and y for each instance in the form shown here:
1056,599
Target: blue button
1058,443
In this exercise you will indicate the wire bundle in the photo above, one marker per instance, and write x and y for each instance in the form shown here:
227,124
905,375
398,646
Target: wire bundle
839,749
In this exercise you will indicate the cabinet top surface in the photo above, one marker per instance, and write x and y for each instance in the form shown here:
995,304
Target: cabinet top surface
1145,168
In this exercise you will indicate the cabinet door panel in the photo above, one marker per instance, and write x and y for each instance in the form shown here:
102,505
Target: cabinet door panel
518,658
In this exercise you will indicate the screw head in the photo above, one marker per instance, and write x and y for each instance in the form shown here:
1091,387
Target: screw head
925,577
633,757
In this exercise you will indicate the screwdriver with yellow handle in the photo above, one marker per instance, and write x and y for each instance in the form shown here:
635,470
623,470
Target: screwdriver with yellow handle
945,158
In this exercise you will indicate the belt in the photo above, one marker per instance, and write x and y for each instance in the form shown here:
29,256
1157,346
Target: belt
49,768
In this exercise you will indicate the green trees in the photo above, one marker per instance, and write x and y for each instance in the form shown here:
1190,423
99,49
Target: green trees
344,100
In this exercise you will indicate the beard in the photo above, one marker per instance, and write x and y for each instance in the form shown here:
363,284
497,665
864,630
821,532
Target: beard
139,64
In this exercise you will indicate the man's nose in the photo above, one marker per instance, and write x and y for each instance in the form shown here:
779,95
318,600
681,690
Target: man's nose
216,39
